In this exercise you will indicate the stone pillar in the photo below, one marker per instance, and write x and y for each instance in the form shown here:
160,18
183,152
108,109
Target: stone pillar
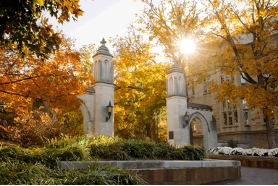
176,102
104,92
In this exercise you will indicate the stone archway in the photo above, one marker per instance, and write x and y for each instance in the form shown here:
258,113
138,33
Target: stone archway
87,120
205,125
177,106
87,110
208,124
196,132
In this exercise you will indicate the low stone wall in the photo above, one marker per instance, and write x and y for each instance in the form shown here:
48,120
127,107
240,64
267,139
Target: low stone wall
189,176
159,172
250,161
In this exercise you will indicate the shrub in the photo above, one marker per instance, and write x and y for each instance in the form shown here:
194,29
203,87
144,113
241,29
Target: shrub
20,173
47,156
31,128
121,149
99,147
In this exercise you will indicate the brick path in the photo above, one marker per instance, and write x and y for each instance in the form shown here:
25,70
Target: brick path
254,176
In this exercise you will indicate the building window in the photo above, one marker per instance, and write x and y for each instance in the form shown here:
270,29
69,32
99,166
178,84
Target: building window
208,78
226,78
242,80
225,119
229,112
246,117
230,118
229,104
206,89
245,112
222,79
191,89
224,106
244,104
236,118
233,77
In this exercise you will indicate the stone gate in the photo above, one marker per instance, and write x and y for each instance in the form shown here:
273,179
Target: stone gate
178,107
98,97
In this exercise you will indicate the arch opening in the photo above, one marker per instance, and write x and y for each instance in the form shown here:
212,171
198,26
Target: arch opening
87,120
203,123
196,132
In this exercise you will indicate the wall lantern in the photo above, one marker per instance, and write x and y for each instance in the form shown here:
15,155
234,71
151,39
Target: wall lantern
109,110
186,117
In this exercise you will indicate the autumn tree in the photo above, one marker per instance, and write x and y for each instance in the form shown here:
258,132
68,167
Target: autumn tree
241,38
169,22
140,86
57,80
23,28
237,37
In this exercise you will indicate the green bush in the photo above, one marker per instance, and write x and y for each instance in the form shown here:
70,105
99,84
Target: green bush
106,147
20,173
40,166
100,147
47,156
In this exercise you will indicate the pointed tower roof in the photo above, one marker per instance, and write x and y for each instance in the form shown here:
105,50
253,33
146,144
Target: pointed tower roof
175,68
103,49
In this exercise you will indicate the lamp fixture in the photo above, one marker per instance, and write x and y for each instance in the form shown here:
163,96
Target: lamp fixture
186,117
109,110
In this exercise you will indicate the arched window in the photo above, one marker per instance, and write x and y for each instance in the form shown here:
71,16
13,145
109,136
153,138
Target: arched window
106,66
99,70
104,70
96,70
171,86
180,86
175,86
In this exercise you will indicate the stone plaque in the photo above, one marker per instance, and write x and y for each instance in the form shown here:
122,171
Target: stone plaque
171,134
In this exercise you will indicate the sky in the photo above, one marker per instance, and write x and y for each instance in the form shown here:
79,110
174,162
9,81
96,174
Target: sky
101,19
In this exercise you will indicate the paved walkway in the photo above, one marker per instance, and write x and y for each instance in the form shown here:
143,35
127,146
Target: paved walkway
254,176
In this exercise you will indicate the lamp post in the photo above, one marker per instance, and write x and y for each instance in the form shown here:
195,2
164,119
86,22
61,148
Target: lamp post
109,110
186,117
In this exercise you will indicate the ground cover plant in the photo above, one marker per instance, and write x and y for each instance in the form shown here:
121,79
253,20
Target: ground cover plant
21,173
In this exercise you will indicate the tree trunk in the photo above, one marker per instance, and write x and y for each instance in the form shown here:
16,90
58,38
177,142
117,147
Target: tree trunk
270,132
153,136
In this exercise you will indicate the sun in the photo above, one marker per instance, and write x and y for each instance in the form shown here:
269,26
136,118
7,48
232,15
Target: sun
187,46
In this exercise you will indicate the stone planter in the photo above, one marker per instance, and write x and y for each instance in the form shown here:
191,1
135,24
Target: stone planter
163,172
250,161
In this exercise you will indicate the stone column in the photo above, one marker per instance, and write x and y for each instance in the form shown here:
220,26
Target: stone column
104,92
176,102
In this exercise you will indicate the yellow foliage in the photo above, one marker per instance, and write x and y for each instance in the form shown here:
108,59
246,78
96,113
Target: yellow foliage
140,85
